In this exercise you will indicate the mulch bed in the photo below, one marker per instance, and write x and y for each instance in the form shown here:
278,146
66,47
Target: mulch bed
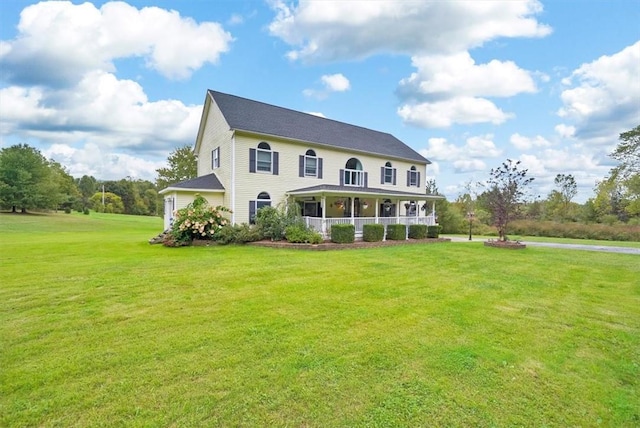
328,245
510,245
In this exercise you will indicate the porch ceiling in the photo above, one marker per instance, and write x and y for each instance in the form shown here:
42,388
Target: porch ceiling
333,190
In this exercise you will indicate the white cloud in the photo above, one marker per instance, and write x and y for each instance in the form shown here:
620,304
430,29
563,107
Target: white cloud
458,74
58,42
526,143
92,160
469,165
336,82
442,114
334,30
565,131
109,119
331,83
603,98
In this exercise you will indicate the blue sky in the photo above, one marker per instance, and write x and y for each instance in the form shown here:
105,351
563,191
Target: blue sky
109,89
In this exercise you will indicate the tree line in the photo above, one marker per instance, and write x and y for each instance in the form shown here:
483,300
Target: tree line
29,181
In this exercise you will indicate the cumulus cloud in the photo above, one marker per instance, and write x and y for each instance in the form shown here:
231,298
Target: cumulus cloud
448,89
602,98
91,160
442,114
331,83
58,42
102,114
336,82
526,143
320,30
465,158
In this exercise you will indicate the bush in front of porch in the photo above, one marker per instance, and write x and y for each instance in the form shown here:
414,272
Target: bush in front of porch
417,231
343,233
372,232
396,232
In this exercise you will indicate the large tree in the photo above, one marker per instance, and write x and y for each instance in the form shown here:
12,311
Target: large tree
628,153
26,179
506,190
182,166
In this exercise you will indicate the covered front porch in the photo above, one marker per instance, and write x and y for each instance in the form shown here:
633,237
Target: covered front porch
325,205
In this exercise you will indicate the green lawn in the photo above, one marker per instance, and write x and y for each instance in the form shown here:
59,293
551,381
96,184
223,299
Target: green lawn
98,328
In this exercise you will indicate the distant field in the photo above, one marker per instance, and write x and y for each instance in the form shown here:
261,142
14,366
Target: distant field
99,328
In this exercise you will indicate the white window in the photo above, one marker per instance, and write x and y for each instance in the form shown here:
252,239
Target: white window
263,157
353,175
310,164
413,177
263,200
388,173
215,158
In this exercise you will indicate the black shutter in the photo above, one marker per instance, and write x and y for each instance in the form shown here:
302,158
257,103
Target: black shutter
301,166
408,178
252,160
342,177
366,179
319,167
275,159
418,181
252,212
381,175
394,176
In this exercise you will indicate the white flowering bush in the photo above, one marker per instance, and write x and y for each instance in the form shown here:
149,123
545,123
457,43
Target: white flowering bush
198,220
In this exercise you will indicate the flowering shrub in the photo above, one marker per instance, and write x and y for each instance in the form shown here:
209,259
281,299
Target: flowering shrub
198,220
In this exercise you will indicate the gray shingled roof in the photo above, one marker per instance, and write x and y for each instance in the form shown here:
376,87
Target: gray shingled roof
254,116
205,182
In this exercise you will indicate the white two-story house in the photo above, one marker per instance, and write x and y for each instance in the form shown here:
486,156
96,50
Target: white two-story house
251,154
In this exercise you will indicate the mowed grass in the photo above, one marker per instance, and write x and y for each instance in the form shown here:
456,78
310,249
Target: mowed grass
98,328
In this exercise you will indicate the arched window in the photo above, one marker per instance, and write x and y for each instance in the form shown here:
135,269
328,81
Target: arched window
354,164
352,174
264,157
310,164
263,200
388,174
413,177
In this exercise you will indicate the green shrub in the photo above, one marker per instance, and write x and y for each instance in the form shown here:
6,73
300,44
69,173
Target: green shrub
343,233
67,210
301,234
433,231
396,232
85,211
237,234
372,232
417,231
274,221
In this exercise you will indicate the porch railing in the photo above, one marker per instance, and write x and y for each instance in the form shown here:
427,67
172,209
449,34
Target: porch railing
324,225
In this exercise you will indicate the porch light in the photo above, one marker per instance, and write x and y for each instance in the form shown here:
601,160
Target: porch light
365,205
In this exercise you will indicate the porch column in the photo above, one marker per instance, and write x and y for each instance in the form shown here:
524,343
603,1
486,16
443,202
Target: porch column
398,211
433,212
377,207
353,205
323,208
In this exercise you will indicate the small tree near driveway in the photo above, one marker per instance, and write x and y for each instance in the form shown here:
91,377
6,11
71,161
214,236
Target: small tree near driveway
506,190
